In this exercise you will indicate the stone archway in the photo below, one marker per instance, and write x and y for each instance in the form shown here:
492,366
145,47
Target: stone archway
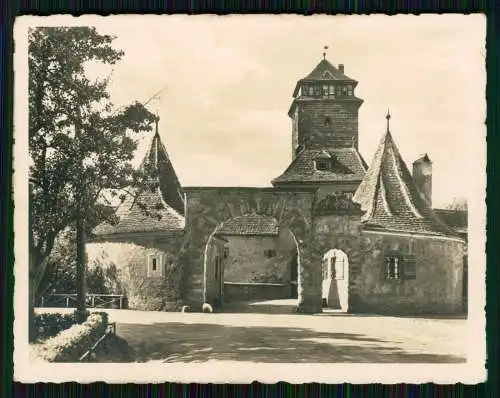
246,267
208,208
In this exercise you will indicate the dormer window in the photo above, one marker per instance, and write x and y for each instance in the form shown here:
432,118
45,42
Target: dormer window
327,75
322,164
349,90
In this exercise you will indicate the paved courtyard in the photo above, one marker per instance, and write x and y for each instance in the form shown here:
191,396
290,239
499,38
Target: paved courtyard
262,335
271,333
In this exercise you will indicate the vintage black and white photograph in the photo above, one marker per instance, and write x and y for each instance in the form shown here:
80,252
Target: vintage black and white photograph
250,197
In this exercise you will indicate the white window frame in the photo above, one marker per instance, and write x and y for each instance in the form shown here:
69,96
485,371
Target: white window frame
390,262
160,265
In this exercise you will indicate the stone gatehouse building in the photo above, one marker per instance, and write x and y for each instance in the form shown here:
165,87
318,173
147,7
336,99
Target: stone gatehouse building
331,231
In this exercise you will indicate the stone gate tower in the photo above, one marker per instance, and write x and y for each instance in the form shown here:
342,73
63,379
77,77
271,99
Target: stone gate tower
324,115
324,110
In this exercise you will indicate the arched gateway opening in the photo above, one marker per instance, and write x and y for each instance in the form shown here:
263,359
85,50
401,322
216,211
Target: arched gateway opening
335,285
251,261
276,262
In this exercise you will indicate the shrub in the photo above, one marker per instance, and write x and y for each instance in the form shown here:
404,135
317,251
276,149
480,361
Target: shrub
49,325
70,344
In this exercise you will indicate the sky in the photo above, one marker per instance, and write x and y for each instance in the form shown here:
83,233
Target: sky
229,83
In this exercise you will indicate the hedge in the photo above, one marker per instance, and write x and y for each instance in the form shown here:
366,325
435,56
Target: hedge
70,344
50,325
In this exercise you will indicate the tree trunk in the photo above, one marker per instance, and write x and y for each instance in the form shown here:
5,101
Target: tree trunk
81,265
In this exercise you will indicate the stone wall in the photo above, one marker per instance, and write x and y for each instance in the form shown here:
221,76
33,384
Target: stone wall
343,116
439,267
255,291
208,208
143,292
437,288
247,261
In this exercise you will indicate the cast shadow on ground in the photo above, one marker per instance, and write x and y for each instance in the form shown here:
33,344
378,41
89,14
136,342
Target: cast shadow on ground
182,342
274,307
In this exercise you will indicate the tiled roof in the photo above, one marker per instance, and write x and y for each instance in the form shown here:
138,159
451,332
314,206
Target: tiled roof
457,219
390,199
346,165
157,207
169,183
325,66
253,224
142,211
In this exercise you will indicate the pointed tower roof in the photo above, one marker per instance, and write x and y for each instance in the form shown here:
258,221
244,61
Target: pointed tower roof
326,71
158,206
390,199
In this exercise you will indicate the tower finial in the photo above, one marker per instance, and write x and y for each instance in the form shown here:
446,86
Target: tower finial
388,117
324,53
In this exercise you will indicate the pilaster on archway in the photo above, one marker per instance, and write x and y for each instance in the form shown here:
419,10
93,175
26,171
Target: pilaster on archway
207,208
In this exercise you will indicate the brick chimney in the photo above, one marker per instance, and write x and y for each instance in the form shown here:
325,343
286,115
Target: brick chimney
422,176
341,68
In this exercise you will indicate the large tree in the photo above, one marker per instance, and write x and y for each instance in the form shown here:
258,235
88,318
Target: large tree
80,144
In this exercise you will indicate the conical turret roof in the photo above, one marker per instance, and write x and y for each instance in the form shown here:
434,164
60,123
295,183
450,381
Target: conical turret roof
390,198
155,206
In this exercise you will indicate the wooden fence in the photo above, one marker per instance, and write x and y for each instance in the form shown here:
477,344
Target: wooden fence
93,300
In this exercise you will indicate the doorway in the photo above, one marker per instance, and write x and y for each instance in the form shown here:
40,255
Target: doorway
335,284
219,282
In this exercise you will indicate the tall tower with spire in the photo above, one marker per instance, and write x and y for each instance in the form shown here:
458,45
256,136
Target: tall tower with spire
324,109
324,115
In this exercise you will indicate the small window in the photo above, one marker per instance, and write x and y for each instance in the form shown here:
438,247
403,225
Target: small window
339,91
325,90
331,90
392,268
322,164
155,262
317,90
270,253
400,267
410,267
349,90
226,252
328,121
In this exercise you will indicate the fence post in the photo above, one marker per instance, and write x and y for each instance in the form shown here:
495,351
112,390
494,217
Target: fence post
93,301
42,302
121,302
67,301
